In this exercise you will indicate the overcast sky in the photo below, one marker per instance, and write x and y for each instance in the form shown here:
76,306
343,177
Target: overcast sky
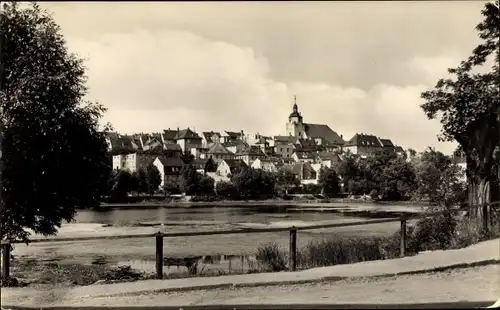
356,66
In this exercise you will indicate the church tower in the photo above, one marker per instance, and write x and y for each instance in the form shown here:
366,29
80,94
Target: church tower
295,126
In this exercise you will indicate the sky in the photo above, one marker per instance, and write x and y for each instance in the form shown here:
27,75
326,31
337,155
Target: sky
358,67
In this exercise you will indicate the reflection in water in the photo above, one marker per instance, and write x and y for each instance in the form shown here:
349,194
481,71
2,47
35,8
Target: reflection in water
207,264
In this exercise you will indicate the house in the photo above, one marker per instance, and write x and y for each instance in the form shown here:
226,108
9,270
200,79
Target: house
305,172
288,161
387,144
152,142
262,143
113,139
199,152
218,152
249,154
229,136
301,156
328,159
169,168
325,145
230,167
209,137
168,136
132,161
283,146
399,150
265,164
306,145
129,143
235,146
188,140
204,166
258,139
172,150
363,144
118,162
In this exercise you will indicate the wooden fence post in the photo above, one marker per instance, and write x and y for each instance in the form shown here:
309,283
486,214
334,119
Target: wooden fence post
5,259
486,218
292,261
159,255
402,246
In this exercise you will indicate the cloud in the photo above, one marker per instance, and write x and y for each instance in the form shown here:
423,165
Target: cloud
153,81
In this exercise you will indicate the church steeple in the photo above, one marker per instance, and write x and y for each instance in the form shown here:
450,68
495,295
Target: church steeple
295,127
295,116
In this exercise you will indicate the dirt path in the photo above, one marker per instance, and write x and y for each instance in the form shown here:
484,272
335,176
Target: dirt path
469,284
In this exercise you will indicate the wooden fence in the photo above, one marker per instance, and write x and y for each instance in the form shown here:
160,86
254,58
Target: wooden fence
159,236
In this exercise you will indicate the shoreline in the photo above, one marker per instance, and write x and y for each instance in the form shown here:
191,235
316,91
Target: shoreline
250,203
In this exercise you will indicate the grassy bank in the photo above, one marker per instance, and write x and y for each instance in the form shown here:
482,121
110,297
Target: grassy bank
440,233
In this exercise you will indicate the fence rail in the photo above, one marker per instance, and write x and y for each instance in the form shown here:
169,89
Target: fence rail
159,236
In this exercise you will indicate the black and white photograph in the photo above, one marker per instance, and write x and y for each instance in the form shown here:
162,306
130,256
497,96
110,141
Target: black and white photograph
249,154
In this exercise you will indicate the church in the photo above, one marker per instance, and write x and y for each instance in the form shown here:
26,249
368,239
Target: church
321,134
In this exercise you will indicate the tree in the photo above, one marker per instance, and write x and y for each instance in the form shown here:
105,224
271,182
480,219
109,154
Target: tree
349,172
190,180
226,190
286,178
412,153
153,178
123,184
55,157
439,179
469,111
187,158
134,182
195,183
142,182
329,181
254,183
388,176
206,185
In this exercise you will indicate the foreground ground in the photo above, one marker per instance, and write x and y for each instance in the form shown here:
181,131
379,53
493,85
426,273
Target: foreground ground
458,285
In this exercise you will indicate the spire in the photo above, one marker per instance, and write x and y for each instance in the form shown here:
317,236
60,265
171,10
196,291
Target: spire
295,107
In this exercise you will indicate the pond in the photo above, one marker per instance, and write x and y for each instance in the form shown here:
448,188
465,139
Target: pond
219,251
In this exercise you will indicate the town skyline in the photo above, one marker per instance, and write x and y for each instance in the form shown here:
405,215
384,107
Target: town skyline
237,66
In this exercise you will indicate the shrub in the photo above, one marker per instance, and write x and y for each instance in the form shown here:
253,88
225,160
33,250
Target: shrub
434,233
271,258
205,198
254,183
469,231
172,189
311,189
341,250
226,190
329,181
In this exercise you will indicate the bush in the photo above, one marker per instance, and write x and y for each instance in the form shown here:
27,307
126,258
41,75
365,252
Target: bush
329,182
226,190
433,233
172,189
311,189
341,250
254,183
271,257
205,198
